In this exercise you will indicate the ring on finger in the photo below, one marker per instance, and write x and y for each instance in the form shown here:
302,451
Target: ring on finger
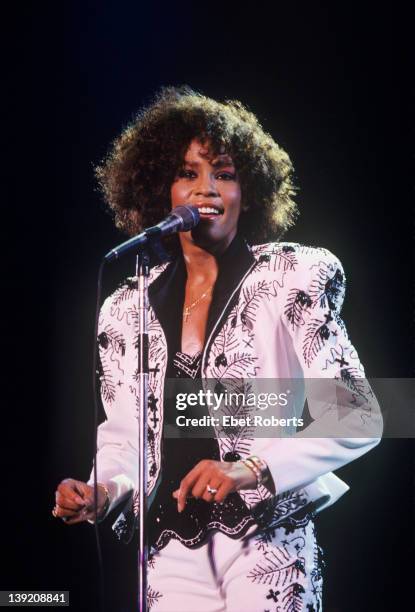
211,490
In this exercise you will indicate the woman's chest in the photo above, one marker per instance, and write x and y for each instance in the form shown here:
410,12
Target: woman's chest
194,322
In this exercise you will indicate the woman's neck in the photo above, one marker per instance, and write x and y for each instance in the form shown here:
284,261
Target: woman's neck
201,266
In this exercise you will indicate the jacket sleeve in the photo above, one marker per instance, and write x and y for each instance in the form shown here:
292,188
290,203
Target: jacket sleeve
117,436
346,418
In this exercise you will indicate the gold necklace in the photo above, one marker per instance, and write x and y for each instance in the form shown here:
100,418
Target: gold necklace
187,309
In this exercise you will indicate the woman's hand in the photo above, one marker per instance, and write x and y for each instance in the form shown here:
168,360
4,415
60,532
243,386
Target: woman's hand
75,501
213,481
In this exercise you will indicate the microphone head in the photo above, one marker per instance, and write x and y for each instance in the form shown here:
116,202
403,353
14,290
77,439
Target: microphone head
189,216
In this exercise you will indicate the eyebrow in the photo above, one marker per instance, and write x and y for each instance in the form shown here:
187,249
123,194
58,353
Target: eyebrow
218,163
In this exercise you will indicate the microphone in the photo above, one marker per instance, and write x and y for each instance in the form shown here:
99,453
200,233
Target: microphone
181,219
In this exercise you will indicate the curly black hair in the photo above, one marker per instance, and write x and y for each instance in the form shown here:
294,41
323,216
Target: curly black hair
136,175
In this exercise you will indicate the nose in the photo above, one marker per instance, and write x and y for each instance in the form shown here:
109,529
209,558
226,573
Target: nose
206,186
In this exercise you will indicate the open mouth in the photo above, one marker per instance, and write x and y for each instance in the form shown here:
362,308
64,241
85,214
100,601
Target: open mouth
209,212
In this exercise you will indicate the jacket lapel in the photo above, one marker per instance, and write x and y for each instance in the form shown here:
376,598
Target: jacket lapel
166,297
166,292
233,265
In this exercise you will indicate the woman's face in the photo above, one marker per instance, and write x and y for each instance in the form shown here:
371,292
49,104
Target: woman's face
210,183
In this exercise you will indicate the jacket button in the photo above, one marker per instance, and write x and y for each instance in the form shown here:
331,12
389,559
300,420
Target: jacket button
231,456
103,340
221,360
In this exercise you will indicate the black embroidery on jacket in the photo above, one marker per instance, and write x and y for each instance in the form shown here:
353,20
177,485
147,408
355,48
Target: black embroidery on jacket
314,340
152,597
298,303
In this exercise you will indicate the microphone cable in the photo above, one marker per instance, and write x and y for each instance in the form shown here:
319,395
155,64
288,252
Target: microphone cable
95,374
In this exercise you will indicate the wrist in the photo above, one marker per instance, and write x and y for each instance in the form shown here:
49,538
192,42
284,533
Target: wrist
258,467
103,507
249,479
101,512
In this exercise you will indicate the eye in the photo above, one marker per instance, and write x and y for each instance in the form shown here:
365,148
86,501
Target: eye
184,173
228,176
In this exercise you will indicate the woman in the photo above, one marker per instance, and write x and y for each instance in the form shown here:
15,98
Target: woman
231,516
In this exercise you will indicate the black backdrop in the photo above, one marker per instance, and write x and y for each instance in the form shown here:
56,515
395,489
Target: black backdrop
332,86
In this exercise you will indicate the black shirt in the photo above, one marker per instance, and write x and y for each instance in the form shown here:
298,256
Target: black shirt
181,454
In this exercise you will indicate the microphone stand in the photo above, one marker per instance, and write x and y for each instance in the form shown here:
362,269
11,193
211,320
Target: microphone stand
148,241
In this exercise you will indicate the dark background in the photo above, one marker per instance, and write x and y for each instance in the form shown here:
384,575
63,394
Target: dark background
332,87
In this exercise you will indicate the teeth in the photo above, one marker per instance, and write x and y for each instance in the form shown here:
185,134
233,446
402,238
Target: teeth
208,211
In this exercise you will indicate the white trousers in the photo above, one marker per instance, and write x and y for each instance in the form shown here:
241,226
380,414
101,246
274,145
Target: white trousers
273,570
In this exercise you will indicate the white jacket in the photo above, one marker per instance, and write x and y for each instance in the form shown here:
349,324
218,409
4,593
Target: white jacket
280,321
